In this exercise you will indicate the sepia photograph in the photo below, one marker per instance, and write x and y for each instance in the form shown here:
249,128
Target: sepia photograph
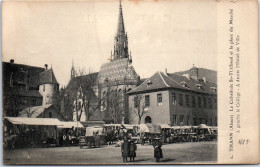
111,82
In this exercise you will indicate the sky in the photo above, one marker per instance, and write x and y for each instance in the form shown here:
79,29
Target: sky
162,34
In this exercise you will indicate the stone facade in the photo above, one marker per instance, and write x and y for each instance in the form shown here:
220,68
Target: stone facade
181,103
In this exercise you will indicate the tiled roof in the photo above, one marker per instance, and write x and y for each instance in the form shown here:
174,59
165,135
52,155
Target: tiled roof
73,83
117,70
30,73
210,75
161,81
34,111
47,77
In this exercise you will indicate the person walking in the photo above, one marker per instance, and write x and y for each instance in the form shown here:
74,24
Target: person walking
125,149
157,144
132,150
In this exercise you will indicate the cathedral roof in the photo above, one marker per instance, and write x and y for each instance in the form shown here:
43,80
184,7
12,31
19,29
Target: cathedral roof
47,77
160,81
118,70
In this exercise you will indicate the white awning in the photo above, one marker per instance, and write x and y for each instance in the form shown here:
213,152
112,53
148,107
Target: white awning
34,121
75,124
165,126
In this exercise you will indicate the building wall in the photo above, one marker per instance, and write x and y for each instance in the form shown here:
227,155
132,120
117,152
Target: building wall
158,113
51,112
175,113
192,115
47,91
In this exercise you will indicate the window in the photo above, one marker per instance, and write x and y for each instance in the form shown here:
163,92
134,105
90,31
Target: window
210,103
199,102
44,88
181,118
147,101
159,99
136,102
173,99
180,100
188,120
174,119
187,100
193,102
50,115
205,102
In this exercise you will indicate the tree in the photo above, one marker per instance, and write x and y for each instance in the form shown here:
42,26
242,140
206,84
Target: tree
139,108
82,94
115,106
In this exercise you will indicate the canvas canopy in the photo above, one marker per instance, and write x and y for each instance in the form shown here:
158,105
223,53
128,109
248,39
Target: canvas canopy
165,126
203,126
75,124
91,130
149,128
34,121
127,126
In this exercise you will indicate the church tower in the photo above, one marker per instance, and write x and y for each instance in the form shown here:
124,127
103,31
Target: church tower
121,39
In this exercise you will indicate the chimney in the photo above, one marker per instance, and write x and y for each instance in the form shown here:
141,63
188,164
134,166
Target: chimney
12,61
46,66
166,71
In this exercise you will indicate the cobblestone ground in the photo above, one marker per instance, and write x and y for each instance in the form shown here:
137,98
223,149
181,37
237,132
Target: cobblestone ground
198,152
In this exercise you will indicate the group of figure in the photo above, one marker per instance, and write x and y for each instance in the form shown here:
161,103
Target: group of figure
128,149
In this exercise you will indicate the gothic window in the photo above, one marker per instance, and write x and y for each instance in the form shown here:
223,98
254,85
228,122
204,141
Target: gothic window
43,88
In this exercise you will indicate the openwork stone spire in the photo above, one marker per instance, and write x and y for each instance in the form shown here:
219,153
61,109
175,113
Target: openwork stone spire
121,39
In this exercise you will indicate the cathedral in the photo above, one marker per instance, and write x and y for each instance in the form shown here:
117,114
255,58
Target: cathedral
113,81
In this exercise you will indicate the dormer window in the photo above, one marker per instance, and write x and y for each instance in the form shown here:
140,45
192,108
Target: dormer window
149,83
199,86
183,84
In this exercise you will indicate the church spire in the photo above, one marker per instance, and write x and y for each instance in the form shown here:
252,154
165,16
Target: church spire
120,26
72,72
121,39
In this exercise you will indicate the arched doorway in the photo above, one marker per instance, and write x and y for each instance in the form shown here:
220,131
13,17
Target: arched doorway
148,119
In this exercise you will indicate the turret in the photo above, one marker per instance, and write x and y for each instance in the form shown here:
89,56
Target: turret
48,86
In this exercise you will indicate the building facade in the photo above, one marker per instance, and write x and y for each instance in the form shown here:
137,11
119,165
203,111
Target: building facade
175,100
26,87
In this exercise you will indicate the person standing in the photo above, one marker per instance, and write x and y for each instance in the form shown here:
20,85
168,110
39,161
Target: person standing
132,150
125,149
157,144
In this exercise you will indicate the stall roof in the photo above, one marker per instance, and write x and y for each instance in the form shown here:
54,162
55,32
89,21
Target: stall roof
71,124
34,121
93,123
165,126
